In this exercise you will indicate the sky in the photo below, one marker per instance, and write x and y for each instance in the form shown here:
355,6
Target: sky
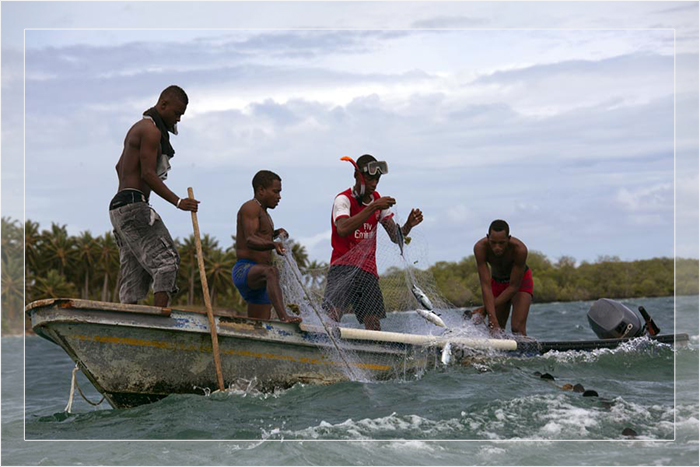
562,120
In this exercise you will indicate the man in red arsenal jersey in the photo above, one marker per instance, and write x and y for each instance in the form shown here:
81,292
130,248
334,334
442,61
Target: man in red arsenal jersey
352,278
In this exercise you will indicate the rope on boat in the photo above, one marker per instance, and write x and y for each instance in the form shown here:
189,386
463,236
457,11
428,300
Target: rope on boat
69,406
74,384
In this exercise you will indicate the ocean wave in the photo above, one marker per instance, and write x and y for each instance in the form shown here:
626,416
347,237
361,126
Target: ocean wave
636,349
392,426
539,417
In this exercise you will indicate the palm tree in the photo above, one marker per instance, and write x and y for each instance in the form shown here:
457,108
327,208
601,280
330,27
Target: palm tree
209,243
298,253
54,285
87,252
107,260
188,264
11,236
233,245
315,273
12,286
60,247
32,246
218,270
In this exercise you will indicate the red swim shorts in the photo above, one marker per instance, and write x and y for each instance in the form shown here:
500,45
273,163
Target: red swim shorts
526,285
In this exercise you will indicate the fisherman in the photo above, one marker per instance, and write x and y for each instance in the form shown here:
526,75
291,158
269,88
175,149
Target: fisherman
352,278
147,253
254,275
508,283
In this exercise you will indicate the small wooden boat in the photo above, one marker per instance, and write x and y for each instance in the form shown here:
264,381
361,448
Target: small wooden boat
136,354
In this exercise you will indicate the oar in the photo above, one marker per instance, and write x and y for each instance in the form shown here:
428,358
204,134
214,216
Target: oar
207,303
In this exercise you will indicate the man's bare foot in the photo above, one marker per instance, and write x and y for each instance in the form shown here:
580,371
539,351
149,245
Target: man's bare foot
478,315
289,319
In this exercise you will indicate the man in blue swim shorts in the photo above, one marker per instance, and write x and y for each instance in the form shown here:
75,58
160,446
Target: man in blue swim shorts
254,275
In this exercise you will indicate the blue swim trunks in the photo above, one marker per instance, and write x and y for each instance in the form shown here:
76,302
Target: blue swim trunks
240,277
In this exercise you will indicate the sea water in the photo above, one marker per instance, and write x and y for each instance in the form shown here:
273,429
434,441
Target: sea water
497,411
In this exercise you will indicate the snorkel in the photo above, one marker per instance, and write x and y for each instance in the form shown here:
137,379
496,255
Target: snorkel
362,179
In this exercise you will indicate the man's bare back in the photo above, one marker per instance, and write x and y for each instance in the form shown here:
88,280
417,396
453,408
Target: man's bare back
141,136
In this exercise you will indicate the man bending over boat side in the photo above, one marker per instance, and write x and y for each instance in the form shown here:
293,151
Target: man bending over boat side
509,282
147,253
352,278
254,275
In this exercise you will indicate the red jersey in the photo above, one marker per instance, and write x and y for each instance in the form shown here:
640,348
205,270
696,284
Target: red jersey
346,205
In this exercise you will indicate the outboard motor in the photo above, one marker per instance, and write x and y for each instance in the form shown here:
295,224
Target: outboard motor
610,319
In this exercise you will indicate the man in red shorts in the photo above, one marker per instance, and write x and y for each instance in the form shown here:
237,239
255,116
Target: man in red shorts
509,282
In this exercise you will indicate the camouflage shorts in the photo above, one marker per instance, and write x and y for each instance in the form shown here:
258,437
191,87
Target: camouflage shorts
147,253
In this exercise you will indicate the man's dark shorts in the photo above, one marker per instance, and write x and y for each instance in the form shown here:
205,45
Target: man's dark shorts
349,286
147,253
240,280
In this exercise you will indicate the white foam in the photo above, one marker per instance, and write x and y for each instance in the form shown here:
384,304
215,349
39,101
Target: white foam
578,356
416,446
491,450
367,428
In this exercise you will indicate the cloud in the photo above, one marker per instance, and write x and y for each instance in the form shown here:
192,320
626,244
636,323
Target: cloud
459,214
446,22
311,242
646,199
468,139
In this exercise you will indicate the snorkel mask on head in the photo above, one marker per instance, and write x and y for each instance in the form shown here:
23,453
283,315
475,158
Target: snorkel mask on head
372,168
376,167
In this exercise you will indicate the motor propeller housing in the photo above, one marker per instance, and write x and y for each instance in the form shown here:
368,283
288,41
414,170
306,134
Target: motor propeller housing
610,319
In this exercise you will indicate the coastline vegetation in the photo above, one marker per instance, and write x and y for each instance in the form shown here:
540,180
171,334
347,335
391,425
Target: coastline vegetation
87,266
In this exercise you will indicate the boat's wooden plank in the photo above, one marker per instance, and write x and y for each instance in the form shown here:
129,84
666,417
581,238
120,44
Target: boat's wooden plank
80,304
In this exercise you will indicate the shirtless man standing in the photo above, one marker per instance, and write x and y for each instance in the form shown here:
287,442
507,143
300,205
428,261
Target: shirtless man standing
508,282
147,253
254,275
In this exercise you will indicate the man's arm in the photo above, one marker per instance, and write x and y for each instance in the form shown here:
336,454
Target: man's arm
485,281
346,225
148,156
516,275
251,226
280,233
414,218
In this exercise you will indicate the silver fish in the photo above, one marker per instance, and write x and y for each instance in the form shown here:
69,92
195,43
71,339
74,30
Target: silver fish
399,239
422,298
446,356
432,317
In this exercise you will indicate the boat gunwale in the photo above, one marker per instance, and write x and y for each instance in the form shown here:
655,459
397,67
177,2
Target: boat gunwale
224,328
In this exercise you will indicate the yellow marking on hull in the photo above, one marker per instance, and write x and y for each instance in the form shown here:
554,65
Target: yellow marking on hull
207,349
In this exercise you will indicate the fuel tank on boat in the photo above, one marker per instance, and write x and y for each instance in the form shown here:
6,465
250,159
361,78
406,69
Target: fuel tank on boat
610,320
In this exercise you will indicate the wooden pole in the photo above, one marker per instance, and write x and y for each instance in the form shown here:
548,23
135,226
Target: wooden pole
205,292
416,339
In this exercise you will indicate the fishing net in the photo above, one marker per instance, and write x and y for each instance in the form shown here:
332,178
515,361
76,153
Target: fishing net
379,277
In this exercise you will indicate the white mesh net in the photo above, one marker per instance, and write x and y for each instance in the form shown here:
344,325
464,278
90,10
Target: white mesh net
351,291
